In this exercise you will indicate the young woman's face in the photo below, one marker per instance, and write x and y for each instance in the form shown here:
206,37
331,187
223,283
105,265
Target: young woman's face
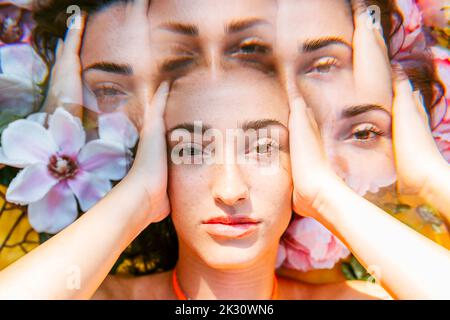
118,60
314,53
213,35
229,186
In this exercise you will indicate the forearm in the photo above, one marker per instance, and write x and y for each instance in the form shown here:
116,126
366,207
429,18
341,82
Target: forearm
437,191
86,249
409,265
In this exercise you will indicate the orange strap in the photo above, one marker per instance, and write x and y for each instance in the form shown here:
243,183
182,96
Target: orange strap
181,296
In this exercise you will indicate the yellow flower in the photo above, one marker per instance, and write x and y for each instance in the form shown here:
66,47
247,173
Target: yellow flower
16,235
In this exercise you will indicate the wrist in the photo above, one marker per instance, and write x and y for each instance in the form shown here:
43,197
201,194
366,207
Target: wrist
436,189
333,202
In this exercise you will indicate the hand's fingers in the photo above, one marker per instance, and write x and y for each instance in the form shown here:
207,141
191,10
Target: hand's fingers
151,157
405,112
370,56
141,6
159,102
304,136
74,35
59,49
410,123
137,9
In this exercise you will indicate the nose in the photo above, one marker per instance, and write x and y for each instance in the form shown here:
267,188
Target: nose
229,186
214,60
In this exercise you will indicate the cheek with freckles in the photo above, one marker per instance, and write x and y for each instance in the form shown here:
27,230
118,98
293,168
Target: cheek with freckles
270,196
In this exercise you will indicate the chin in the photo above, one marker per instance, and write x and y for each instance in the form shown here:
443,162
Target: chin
230,257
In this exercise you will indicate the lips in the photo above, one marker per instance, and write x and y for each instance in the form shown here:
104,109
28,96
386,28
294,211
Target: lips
230,226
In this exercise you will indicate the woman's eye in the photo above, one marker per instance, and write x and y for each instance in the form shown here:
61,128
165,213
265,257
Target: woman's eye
190,151
366,132
251,47
109,98
265,147
177,63
108,92
323,65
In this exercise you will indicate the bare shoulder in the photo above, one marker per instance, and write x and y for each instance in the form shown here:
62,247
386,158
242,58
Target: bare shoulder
348,290
149,287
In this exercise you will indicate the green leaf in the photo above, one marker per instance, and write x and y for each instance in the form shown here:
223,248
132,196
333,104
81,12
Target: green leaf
396,208
429,215
44,237
7,174
347,271
357,268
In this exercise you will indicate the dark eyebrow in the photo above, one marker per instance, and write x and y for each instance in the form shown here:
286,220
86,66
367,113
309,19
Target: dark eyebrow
123,69
241,25
182,28
248,125
354,111
260,124
191,127
317,44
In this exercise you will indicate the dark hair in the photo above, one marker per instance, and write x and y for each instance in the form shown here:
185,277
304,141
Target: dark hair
156,248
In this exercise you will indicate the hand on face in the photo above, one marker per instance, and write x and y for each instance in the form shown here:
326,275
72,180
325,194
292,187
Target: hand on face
417,157
65,86
312,175
149,170
416,163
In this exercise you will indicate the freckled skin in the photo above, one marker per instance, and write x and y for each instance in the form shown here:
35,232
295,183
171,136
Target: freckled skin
223,100
364,166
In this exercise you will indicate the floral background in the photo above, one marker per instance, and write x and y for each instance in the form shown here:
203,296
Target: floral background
307,250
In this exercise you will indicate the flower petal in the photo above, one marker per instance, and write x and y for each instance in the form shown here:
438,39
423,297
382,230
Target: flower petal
281,255
27,141
21,61
38,117
67,132
30,185
55,211
12,163
297,259
89,189
315,237
118,128
107,160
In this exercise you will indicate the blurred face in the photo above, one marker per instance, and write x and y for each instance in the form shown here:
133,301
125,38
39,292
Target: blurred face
118,60
216,35
314,52
229,177
126,55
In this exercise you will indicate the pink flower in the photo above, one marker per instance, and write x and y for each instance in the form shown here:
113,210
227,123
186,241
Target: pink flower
308,245
441,112
433,12
16,22
59,167
21,69
410,38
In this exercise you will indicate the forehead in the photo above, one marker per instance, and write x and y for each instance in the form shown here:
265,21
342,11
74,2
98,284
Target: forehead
304,19
211,13
112,35
227,101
